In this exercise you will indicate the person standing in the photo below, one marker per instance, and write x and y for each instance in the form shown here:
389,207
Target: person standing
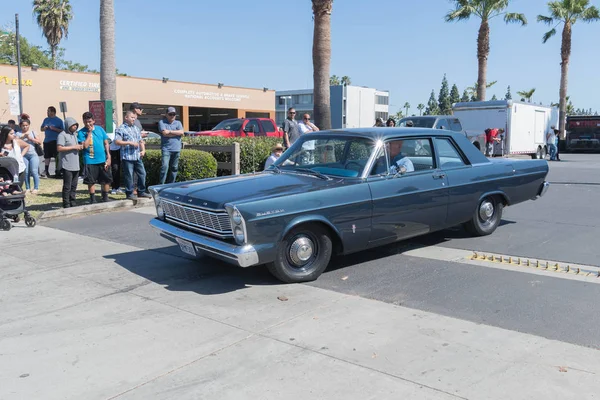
32,159
96,155
12,146
490,139
291,130
68,147
115,167
52,126
550,140
379,122
390,123
137,108
557,143
171,131
309,147
129,137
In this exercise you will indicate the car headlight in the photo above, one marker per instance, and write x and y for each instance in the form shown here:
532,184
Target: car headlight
236,216
238,234
160,212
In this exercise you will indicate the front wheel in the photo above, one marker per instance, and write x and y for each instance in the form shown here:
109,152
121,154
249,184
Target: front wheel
486,217
303,254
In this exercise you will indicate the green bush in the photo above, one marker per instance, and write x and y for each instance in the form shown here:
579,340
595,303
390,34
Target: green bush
193,164
253,150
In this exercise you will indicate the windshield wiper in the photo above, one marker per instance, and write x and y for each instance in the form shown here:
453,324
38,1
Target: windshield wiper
275,169
312,172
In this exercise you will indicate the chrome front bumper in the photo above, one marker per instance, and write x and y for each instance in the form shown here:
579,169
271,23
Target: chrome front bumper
242,256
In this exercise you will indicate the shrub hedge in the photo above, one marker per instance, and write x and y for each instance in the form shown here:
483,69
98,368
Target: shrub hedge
253,150
193,164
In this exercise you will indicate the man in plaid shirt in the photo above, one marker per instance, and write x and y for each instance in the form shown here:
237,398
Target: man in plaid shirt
129,137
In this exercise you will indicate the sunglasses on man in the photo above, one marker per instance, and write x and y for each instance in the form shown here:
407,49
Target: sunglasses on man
171,114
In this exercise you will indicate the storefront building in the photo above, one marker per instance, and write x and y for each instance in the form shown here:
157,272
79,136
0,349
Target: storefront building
199,106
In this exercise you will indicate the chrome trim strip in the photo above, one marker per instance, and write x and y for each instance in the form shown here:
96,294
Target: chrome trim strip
195,208
243,256
215,220
188,226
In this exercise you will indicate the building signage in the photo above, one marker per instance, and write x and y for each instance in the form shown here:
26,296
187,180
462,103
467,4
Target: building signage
7,80
98,109
13,102
219,96
80,86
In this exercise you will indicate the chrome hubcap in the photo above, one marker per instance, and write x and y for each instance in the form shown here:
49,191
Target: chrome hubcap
301,250
486,210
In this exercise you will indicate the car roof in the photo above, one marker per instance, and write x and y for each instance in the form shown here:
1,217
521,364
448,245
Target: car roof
429,117
383,133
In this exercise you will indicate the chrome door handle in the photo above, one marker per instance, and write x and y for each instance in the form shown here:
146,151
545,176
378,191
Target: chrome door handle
439,175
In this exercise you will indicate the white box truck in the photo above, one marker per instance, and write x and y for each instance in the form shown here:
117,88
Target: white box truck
526,125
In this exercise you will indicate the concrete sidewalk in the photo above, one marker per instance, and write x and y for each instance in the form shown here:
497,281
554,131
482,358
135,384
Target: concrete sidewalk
82,318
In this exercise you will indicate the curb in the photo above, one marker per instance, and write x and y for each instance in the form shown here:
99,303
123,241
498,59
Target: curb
89,209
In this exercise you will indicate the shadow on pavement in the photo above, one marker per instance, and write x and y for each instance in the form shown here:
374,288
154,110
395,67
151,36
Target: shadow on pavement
169,267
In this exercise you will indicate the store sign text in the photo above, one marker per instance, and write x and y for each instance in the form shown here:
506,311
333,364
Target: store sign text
15,81
80,86
219,96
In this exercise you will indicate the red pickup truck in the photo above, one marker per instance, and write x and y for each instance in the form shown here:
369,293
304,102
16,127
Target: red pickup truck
243,127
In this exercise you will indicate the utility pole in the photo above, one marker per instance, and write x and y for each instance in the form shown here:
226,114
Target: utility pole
19,64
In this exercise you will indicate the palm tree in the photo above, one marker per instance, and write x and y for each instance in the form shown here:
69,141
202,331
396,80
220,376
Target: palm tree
407,107
527,94
346,80
566,12
322,60
484,10
398,116
473,90
53,17
108,68
334,80
421,107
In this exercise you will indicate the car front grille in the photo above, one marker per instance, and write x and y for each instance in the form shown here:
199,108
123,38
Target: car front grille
216,222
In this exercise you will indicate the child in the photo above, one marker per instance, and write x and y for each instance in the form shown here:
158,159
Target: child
276,152
96,155
68,149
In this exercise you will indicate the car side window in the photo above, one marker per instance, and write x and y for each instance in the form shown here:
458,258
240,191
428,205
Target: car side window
449,155
267,125
405,155
442,124
254,124
455,125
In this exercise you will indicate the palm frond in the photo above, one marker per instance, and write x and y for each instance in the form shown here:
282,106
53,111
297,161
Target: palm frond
461,13
515,18
545,20
591,14
548,35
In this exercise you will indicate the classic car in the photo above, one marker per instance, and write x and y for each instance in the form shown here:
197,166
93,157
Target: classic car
445,122
343,191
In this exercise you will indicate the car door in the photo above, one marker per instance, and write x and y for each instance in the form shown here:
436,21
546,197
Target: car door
268,127
252,123
409,204
463,189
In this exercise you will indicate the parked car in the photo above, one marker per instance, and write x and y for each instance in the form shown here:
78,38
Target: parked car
447,122
243,127
343,191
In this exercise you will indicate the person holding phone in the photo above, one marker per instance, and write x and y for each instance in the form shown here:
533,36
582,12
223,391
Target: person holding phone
96,154
32,159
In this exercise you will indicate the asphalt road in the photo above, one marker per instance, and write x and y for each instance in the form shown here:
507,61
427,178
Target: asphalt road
562,226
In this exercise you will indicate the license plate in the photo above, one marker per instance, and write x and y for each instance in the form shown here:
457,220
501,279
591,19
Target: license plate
186,247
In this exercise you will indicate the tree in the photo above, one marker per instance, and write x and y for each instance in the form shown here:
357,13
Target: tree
421,107
108,69
346,80
494,98
432,105
444,105
321,53
454,95
407,107
398,116
465,97
527,94
566,12
30,54
485,10
473,90
334,80
508,95
53,17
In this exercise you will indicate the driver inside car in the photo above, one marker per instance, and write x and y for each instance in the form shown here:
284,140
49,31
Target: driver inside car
400,162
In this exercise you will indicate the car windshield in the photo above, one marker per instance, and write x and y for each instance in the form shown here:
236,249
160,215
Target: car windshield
229,125
417,122
341,156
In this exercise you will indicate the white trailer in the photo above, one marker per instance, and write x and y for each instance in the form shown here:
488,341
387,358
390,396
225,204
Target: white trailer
526,125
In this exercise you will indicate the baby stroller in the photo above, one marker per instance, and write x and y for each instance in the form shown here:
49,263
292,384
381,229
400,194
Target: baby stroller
12,198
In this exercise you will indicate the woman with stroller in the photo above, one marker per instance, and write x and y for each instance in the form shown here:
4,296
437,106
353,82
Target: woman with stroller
32,159
12,146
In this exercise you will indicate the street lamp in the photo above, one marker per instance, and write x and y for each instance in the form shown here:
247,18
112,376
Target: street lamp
285,99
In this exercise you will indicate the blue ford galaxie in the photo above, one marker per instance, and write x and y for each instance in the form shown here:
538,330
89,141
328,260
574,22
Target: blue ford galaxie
339,192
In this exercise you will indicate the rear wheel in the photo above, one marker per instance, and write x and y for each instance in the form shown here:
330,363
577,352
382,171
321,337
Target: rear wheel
486,217
30,222
303,254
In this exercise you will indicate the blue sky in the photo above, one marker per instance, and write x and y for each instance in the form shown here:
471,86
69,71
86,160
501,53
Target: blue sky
397,45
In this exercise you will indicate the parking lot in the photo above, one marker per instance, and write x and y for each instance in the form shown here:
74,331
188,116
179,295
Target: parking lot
100,307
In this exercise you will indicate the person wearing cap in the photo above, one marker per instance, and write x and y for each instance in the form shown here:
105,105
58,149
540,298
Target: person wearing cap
171,131
550,140
557,143
137,108
276,152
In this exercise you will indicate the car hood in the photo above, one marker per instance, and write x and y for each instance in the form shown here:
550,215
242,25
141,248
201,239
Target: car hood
215,193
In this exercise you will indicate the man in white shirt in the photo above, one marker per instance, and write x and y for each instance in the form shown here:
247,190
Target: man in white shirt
307,127
400,162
